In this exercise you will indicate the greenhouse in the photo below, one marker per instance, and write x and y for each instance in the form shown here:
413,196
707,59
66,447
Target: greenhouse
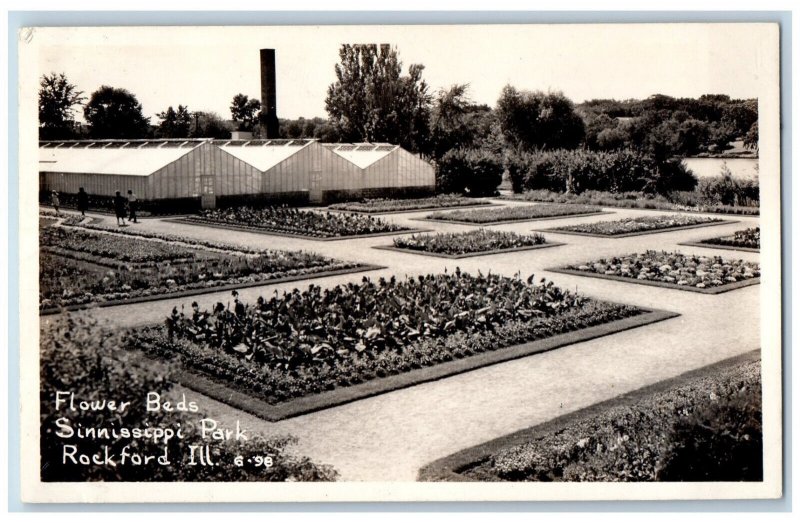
211,173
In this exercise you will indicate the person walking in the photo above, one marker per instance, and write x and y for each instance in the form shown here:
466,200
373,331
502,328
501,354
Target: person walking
119,208
83,201
132,203
54,201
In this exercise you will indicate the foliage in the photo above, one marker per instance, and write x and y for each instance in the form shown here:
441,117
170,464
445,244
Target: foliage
389,205
707,429
512,213
476,172
115,113
57,98
371,101
82,357
306,342
664,126
751,138
245,111
457,123
675,201
749,238
725,189
537,120
638,224
720,441
80,266
209,125
480,240
174,124
575,171
305,128
289,220
674,267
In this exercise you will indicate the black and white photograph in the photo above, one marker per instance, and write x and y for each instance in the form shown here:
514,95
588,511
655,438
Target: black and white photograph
400,263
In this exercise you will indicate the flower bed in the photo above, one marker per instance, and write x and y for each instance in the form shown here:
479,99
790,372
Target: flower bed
470,242
512,214
673,269
295,222
306,343
639,224
382,205
702,428
747,239
80,266
629,200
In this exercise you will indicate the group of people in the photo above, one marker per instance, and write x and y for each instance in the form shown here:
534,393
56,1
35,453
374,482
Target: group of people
123,206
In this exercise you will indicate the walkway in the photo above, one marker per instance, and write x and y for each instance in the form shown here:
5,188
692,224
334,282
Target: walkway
389,437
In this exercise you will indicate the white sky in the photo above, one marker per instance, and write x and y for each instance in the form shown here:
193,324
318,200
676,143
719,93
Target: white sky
205,67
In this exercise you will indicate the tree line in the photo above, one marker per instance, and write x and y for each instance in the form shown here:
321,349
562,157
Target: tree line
373,99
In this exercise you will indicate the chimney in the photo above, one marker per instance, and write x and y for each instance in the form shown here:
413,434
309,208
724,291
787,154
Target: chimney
269,112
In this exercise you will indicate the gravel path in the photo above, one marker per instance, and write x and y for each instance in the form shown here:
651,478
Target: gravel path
389,437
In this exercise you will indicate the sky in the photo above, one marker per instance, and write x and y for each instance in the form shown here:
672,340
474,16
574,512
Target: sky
203,68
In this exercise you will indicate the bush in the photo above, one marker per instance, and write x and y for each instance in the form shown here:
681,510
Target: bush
719,441
80,357
579,170
706,429
469,171
727,190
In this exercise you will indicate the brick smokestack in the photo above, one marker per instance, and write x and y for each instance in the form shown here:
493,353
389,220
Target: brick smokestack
269,110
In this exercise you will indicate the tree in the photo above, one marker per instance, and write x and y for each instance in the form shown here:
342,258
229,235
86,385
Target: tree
537,120
175,124
371,101
245,111
751,138
115,113
209,125
57,97
449,127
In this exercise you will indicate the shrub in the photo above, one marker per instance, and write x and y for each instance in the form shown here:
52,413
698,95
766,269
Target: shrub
79,356
719,441
579,170
473,171
706,429
727,190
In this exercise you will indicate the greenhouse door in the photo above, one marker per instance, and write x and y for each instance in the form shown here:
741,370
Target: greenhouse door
208,200
315,193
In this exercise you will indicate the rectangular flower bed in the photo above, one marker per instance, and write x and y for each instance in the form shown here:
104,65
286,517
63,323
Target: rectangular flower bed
705,274
307,350
478,242
748,240
385,206
516,213
639,225
289,221
628,200
80,266
704,425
